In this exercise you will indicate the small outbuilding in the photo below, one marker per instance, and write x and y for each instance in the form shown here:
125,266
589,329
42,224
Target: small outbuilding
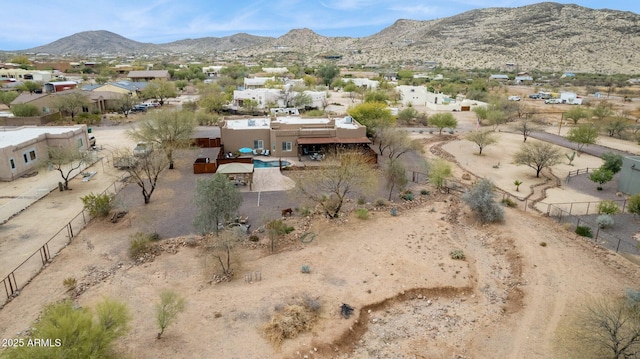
239,173
629,182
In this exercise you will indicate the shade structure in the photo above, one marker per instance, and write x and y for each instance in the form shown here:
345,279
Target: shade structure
245,150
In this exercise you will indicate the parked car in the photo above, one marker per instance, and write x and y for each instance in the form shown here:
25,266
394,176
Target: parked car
142,149
553,101
514,98
150,104
138,108
534,96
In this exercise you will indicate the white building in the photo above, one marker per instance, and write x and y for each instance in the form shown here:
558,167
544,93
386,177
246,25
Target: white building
361,82
412,95
275,70
27,75
255,82
212,71
262,96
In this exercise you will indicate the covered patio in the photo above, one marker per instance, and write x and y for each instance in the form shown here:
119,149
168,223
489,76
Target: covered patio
314,148
240,174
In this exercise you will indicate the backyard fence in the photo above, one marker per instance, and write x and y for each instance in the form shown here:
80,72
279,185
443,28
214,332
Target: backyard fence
577,172
38,260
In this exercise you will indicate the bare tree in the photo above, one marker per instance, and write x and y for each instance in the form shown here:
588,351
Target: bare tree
341,175
145,171
66,160
396,176
71,103
525,127
482,139
167,130
124,104
537,155
396,142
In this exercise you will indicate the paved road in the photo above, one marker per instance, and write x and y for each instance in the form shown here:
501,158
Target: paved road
594,150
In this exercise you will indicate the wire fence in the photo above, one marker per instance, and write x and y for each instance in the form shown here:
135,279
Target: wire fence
24,273
577,172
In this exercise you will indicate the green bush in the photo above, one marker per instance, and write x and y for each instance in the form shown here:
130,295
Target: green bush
508,202
407,196
98,205
584,231
141,244
361,201
380,202
604,221
425,192
634,204
457,254
305,269
362,213
70,283
608,207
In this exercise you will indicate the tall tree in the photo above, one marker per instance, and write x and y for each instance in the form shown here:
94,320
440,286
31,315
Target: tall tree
217,200
373,115
482,139
344,174
65,160
442,121
124,103
396,175
6,97
167,130
71,103
583,135
30,86
616,125
327,73
145,172
396,142
160,90
537,155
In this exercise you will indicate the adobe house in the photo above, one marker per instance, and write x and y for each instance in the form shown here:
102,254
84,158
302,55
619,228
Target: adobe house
138,76
290,136
22,149
629,180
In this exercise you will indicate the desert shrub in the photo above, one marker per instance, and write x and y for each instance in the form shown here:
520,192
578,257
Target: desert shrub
543,244
254,238
608,207
424,192
25,110
508,202
141,244
584,231
407,196
604,221
305,211
171,304
381,202
315,113
633,296
305,269
480,200
98,205
362,213
457,254
292,319
361,201
634,204
75,332
70,283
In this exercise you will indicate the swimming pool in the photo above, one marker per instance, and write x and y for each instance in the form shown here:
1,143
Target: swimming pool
269,164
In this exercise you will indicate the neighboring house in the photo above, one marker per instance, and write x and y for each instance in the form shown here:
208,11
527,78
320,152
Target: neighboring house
499,77
148,75
59,86
27,75
262,96
255,82
412,95
22,149
293,136
118,87
318,98
420,96
212,71
45,102
275,70
523,79
362,82
629,180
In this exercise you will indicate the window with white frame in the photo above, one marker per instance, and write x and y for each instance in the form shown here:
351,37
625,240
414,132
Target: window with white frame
258,144
286,146
29,156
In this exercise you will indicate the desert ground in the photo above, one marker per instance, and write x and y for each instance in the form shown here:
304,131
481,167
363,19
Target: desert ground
511,297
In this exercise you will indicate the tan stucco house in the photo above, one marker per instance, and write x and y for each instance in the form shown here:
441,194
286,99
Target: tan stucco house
22,149
290,136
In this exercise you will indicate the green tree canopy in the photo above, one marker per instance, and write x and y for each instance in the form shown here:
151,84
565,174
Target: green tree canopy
6,97
327,73
160,90
217,200
71,103
576,113
373,115
482,139
583,135
612,162
442,121
538,155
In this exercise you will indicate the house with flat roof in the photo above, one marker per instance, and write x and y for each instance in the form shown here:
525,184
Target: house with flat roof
148,75
290,136
255,82
629,181
22,149
362,82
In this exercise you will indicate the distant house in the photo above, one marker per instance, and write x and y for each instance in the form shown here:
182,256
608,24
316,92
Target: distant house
523,79
412,95
52,87
212,71
45,102
27,75
22,149
148,75
255,82
119,87
362,82
629,181
499,77
261,96
275,70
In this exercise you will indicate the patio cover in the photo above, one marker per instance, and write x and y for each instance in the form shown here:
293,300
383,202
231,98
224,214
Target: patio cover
245,169
330,140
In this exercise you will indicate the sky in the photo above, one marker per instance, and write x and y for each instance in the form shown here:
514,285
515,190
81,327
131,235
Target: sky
31,23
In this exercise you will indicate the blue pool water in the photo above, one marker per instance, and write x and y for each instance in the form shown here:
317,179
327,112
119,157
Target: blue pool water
269,164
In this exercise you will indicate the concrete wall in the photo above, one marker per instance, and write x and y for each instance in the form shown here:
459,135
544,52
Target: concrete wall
629,182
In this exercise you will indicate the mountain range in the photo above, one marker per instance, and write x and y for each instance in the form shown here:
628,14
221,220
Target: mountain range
544,36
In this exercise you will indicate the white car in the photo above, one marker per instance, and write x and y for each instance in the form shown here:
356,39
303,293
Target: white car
553,101
514,98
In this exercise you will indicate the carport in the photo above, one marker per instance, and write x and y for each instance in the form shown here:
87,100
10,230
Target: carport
240,173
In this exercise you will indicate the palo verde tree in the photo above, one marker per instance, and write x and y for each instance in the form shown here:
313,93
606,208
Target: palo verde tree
442,121
30,86
217,200
75,333
342,174
373,115
439,171
482,139
537,155
166,130
576,113
171,304
583,135
71,103
66,160
6,97
160,90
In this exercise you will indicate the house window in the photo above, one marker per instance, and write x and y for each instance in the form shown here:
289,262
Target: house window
29,156
12,163
286,146
79,142
258,144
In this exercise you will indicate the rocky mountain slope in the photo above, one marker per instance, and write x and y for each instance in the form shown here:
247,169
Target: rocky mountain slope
546,36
